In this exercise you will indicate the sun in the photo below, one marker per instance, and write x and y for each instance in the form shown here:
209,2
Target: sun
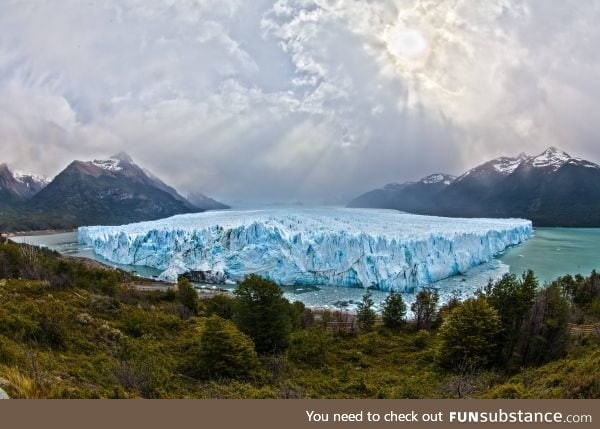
408,47
406,43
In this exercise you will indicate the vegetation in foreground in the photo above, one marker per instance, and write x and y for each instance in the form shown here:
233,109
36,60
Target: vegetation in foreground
72,330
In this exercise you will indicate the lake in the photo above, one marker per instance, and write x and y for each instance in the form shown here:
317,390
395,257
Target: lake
551,253
554,252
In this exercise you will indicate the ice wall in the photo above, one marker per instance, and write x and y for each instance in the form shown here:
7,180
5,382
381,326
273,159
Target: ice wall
326,246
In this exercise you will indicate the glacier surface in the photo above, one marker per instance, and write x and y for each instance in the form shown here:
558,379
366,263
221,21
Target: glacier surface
384,249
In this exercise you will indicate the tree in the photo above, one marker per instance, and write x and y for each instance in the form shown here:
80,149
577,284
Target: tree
424,308
582,291
263,313
222,352
298,314
187,295
451,303
365,315
221,305
545,334
512,299
469,336
394,311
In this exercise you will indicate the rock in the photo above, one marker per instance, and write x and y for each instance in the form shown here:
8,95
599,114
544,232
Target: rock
3,394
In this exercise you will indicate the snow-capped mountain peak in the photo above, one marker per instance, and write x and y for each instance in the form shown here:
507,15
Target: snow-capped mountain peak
506,165
107,164
438,178
19,184
583,163
114,163
31,180
552,158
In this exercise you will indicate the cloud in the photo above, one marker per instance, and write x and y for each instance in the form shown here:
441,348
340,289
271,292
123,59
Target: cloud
284,100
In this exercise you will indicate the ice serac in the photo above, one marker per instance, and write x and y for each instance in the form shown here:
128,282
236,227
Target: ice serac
385,249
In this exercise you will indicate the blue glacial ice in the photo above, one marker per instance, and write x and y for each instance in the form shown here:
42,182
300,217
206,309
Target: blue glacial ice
384,249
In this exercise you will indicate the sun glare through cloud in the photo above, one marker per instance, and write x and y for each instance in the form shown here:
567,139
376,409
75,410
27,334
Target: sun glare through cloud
408,46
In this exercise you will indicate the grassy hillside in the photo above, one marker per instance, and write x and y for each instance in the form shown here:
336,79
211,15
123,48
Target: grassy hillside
70,329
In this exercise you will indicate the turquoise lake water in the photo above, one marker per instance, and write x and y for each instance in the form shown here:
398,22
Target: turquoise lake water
554,252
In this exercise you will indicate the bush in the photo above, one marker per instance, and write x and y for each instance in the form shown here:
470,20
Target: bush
507,391
187,295
310,347
53,329
143,366
469,336
47,325
8,351
222,352
221,305
420,339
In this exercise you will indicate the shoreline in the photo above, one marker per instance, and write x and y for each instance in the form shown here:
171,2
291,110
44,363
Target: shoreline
37,232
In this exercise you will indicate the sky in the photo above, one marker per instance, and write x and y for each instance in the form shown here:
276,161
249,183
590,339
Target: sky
296,100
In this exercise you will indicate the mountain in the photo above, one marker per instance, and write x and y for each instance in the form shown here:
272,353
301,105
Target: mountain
32,182
112,191
102,191
463,196
552,189
17,187
410,196
205,203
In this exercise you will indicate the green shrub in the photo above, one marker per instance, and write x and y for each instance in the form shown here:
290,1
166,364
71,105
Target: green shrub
187,295
143,366
421,339
9,353
507,391
469,336
310,347
222,351
221,305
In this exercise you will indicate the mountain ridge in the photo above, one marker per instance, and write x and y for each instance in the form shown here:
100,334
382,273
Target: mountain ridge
552,189
102,191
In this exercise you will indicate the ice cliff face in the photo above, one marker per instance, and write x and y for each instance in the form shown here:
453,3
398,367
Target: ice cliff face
327,246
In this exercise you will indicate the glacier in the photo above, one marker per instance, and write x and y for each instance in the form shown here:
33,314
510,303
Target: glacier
382,249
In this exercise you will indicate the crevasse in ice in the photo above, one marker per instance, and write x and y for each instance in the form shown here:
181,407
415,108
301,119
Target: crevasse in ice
385,249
